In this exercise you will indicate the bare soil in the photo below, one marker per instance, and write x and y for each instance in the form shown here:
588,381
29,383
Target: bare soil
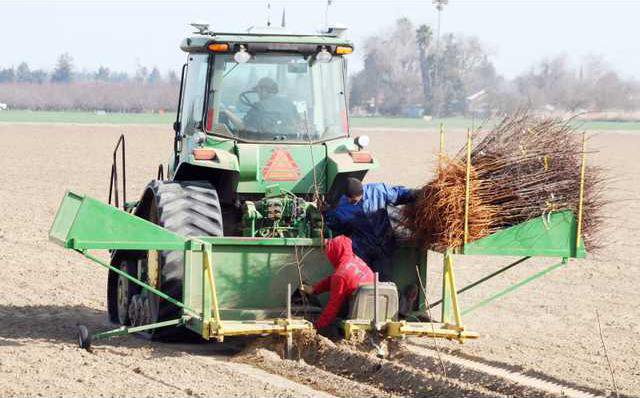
547,328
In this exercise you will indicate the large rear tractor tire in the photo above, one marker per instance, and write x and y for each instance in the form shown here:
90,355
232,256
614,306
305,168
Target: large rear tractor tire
189,208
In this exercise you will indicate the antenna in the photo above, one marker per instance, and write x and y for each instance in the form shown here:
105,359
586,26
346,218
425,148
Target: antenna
268,14
326,14
283,23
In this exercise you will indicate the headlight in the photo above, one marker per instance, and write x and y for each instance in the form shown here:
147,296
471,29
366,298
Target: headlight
362,141
323,55
242,56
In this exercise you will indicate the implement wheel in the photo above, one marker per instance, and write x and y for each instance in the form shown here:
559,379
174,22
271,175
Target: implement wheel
125,290
84,337
189,208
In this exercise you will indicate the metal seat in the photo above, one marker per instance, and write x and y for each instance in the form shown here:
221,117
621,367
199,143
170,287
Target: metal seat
361,303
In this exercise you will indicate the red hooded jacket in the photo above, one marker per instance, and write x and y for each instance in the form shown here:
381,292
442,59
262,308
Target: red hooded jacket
350,272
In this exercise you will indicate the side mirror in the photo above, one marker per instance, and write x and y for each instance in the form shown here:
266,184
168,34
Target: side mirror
176,126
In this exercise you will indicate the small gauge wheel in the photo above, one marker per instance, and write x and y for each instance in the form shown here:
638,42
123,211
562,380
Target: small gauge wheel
84,337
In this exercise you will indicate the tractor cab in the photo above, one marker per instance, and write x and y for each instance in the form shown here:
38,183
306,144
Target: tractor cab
263,119
265,86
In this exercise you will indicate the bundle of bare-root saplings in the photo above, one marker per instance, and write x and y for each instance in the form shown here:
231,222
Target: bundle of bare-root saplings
525,167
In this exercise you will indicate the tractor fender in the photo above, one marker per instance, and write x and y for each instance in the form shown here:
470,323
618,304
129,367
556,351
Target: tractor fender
224,179
341,164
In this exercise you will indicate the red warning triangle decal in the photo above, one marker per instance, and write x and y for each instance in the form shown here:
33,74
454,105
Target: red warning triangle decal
281,167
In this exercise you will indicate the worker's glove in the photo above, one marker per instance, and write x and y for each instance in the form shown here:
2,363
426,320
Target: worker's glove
413,195
307,289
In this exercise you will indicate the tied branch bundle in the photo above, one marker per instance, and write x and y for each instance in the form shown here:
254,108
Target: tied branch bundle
525,167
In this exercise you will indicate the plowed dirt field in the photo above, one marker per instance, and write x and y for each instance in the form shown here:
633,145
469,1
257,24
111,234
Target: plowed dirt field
547,329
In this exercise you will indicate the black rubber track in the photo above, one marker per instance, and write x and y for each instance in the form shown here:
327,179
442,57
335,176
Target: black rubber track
189,208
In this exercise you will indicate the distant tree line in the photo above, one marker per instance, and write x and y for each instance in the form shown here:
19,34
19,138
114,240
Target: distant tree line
64,88
408,71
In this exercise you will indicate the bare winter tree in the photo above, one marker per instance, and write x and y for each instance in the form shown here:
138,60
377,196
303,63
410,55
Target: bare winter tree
402,60
424,39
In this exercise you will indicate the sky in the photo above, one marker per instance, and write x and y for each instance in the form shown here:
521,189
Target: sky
124,34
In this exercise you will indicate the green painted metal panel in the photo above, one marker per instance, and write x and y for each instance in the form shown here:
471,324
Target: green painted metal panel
250,159
263,164
550,236
340,161
247,241
290,166
404,272
251,280
65,217
86,223
193,287
252,274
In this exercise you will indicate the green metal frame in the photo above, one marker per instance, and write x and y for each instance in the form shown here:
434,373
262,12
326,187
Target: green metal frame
553,235
255,265
124,330
85,224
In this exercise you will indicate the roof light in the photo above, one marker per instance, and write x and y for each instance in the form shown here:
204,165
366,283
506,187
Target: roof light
323,55
218,47
242,56
362,141
343,50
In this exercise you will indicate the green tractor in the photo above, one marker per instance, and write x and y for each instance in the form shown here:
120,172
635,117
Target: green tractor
262,143
261,138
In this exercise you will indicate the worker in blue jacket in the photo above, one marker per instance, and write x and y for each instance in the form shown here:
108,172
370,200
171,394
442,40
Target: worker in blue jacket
361,213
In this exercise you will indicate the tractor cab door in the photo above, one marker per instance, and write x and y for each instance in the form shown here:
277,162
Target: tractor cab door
190,114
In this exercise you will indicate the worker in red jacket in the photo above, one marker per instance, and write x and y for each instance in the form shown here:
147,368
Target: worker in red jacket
350,273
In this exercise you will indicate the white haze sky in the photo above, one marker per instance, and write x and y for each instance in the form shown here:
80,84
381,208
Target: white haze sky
124,34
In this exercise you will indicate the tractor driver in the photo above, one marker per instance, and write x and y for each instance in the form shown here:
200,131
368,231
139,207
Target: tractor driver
362,214
272,113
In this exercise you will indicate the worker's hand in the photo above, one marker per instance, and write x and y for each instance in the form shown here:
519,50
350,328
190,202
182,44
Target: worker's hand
307,289
414,195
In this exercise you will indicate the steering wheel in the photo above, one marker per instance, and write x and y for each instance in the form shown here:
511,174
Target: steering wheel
244,99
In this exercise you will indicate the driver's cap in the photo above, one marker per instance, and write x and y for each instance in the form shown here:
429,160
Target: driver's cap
267,84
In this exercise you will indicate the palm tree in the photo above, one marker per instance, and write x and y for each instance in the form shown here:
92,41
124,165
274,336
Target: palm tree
424,37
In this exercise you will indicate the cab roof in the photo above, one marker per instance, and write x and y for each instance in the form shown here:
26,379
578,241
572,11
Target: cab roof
272,40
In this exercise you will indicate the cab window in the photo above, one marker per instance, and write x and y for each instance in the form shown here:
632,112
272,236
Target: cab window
277,97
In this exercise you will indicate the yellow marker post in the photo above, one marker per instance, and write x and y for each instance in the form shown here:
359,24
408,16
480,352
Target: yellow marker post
581,199
208,265
451,280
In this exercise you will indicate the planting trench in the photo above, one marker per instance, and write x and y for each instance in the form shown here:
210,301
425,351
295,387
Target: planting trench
349,369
